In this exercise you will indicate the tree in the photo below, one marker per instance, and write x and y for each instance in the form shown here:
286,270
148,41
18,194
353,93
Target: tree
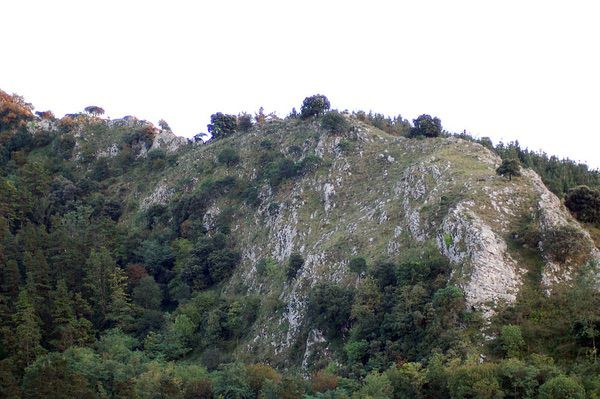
314,106
38,281
231,382
329,307
53,377
510,167
147,293
561,387
27,329
512,340
14,111
94,110
376,386
427,126
584,203
222,125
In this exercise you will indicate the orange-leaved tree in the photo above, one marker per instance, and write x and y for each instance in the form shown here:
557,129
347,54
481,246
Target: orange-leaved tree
14,111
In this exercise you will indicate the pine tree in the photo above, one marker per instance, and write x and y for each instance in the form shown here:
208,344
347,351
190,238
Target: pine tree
119,310
98,270
38,284
27,328
63,318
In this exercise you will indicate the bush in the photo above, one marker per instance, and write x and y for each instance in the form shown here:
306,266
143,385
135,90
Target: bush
222,125
358,265
335,122
584,203
244,122
427,126
512,340
563,243
295,262
156,159
314,105
228,156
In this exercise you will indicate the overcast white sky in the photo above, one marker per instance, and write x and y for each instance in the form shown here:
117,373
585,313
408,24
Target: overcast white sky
526,70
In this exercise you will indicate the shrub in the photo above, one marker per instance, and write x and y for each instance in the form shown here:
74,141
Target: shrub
156,159
512,340
427,126
228,156
358,265
295,262
335,122
314,105
222,125
584,203
244,122
563,243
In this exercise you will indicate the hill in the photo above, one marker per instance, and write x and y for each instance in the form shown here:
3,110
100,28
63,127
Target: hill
366,252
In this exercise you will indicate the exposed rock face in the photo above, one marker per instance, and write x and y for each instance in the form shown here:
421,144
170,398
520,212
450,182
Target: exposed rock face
373,201
488,274
168,141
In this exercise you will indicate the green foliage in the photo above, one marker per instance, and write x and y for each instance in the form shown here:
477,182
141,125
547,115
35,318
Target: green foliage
231,381
408,380
147,293
427,126
156,159
358,265
228,156
584,203
244,122
222,125
329,308
294,264
376,386
335,122
518,379
474,382
510,168
512,341
211,262
314,105
562,387
563,243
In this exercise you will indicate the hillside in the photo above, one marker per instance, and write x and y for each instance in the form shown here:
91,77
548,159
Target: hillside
308,246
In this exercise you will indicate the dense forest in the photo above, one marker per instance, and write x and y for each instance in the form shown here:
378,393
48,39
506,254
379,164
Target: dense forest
102,300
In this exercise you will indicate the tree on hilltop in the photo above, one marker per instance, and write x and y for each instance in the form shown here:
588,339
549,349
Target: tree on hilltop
222,125
94,110
426,125
314,105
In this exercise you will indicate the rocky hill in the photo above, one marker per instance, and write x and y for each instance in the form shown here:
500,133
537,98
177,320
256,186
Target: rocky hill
371,195
291,242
